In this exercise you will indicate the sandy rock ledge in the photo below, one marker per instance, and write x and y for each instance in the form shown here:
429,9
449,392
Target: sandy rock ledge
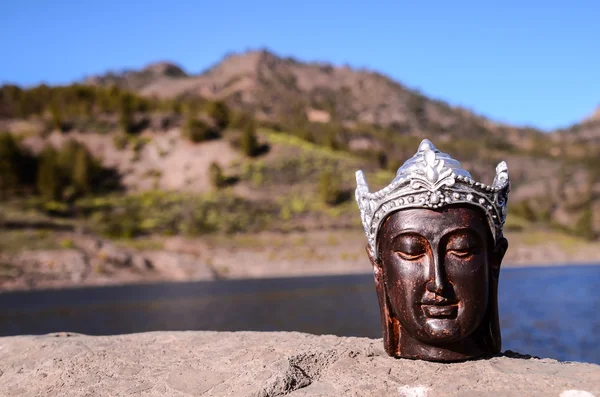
265,364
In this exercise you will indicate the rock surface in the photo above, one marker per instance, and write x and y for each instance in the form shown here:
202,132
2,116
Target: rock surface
265,364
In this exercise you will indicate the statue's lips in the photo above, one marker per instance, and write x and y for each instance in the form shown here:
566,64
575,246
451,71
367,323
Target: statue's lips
440,311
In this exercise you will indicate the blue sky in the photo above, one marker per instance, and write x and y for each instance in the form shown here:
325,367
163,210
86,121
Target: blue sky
523,62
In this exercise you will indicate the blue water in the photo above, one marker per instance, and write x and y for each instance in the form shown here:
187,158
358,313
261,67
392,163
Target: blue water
546,312
552,312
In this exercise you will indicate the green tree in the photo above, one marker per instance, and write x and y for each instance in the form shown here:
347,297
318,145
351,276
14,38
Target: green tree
416,106
120,141
48,177
305,134
382,159
10,101
215,174
82,171
126,114
584,227
330,139
66,157
523,210
330,188
176,107
219,112
10,158
248,141
55,113
197,130
239,120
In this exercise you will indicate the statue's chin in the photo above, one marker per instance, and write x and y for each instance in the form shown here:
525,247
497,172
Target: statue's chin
442,331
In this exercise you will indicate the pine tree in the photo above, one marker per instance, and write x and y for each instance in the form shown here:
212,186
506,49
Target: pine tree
197,130
584,227
82,167
219,112
57,121
248,142
10,156
125,114
239,120
48,177
216,175
329,188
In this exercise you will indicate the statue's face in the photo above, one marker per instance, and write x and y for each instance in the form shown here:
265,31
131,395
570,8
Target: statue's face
436,271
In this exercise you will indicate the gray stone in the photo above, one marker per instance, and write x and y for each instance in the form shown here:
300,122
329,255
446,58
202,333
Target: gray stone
265,364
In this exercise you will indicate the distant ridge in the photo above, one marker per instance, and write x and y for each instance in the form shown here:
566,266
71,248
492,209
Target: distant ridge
263,82
277,88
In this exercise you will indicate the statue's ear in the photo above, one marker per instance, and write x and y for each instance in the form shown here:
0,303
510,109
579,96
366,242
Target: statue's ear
389,324
371,256
498,255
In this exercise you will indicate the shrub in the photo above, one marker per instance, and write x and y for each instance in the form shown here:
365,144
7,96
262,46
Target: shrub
197,130
122,221
66,174
15,165
329,188
83,170
176,213
216,177
57,120
330,140
219,112
18,167
240,120
48,177
305,134
248,141
9,157
584,227
125,114
416,106
382,159
523,209
120,141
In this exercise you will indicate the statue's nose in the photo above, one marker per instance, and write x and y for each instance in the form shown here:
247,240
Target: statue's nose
436,279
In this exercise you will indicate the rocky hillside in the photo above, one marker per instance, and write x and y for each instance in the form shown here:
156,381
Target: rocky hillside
595,116
138,79
278,88
586,132
162,129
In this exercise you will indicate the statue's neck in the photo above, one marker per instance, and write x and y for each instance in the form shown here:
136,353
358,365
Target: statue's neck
464,349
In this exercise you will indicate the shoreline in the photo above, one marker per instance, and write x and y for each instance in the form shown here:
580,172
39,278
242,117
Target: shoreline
91,261
527,265
161,282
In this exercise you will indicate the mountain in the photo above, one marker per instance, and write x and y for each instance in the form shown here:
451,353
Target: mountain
586,132
136,80
595,116
370,118
282,88
276,87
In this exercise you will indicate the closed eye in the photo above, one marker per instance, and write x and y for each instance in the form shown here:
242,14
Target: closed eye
409,257
461,253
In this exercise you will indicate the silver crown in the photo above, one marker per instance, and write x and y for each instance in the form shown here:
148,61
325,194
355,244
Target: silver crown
432,179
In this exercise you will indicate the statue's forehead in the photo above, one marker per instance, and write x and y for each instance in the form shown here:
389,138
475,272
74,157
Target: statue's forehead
433,223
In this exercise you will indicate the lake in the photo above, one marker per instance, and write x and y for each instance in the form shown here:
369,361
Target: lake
544,311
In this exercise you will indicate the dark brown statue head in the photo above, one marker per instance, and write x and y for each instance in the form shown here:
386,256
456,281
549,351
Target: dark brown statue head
436,246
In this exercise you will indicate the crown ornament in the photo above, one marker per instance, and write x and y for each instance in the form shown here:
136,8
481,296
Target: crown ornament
432,179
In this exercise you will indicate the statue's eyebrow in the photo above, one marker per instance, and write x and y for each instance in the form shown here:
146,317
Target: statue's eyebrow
408,233
460,230
465,231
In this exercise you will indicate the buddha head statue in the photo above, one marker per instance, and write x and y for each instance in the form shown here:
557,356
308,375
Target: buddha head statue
435,240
